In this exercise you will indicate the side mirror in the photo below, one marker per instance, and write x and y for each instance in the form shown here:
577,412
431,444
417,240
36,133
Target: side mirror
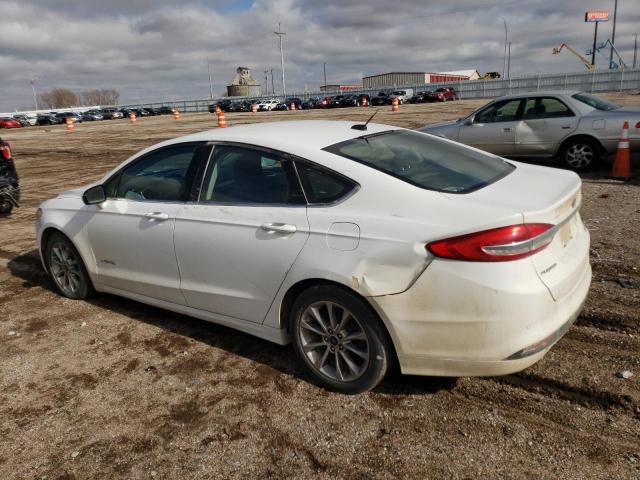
468,121
94,195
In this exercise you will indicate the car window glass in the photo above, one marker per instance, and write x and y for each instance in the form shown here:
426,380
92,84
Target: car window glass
322,186
504,111
162,176
425,161
249,176
545,107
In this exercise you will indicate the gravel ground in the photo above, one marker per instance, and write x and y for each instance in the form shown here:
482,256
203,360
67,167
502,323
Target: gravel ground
111,388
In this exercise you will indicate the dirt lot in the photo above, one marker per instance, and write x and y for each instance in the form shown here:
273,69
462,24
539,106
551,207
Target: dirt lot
114,389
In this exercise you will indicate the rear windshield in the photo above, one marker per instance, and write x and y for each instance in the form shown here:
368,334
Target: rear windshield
595,102
424,160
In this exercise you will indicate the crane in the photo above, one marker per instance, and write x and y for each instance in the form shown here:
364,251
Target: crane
586,62
602,46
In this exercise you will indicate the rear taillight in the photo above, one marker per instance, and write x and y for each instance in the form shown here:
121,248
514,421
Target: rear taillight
495,245
6,151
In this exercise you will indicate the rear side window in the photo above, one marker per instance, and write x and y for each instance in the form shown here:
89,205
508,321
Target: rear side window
322,186
545,107
424,161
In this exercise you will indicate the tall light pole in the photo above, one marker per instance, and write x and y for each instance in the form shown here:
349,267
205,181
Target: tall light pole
509,61
210,81
32,81
266,81
613,33
273,89
324,68
281,34
635,50
506,37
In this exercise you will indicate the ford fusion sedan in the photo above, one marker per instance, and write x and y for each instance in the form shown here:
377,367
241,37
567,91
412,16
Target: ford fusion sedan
578,128
362,245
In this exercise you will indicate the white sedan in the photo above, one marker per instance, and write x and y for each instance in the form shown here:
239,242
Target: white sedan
362,245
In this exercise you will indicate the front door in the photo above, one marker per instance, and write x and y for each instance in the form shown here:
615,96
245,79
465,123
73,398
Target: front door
494,128
131,233
236,245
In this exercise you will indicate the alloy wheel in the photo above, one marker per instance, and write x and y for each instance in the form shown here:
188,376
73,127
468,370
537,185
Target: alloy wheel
579,155
334,341
65,268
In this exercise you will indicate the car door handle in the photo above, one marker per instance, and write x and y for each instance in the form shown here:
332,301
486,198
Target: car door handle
566,127
157,216
507,129
278,227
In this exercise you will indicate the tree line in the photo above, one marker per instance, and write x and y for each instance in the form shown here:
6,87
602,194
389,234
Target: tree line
65,98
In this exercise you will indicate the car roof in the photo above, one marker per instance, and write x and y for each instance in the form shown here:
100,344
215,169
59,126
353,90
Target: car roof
540,94
295,137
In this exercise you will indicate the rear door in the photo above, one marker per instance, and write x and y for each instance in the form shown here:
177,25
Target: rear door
235,246
546,122
494,127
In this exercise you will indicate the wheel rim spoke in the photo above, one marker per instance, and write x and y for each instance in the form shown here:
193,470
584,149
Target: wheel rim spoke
320,362
318,318
361,353
306,325
352,366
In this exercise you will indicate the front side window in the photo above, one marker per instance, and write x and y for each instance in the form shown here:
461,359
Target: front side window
164,175
545,107
504,111
249,176
424,160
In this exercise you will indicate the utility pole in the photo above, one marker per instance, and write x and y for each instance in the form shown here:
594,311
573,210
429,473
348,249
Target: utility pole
273,89
509,62
504,60
32,81
593,50
613,34
266,81
325,74
210,81
635,50
281,34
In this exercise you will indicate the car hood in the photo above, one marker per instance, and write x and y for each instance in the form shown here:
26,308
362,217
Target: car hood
75,192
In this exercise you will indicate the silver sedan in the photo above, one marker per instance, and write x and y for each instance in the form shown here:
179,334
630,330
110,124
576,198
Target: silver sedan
578,128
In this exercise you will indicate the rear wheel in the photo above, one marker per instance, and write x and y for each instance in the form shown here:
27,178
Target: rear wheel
5,207
67,268
339,339
580,154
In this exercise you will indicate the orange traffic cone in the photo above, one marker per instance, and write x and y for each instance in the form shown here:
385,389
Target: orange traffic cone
70,127
222,122
622,164
132,117
176,114
293,106
364,101
254,108
394,104
218,110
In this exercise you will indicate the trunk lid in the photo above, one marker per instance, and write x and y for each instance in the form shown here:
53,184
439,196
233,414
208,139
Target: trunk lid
552,196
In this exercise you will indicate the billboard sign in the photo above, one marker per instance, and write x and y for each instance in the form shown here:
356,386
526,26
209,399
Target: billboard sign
596,16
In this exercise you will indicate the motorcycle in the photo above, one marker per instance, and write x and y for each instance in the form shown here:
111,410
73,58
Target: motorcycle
9,183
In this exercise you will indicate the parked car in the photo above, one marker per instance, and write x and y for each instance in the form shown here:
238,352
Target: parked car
576,127
47,119
268,105
9,181
310,103
281,106
442,94
111,114
223,104
381,99
295,100
336,101
72,115
496,249
324,102
92,115
23,120
403,96
420,97
7,122
355,100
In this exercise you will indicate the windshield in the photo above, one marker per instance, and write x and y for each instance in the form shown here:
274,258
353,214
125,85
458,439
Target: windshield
595,102
424,160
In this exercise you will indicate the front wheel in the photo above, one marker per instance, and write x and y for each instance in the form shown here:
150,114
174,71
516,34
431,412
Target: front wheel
5,206
340,340
580,154
67,268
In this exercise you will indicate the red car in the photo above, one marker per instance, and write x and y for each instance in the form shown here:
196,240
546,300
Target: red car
9,123
325,102
442,94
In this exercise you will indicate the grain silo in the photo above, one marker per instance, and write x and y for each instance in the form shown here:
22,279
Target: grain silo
243,84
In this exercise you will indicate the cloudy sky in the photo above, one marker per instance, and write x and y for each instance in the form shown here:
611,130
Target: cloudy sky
157,49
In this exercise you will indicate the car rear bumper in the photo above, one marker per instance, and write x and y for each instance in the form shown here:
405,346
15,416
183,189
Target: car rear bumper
475,319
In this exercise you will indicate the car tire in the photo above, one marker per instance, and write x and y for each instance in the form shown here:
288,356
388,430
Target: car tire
5,207
67,268
580,154
340,339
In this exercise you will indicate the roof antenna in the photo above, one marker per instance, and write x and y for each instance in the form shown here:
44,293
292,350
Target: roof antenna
363,126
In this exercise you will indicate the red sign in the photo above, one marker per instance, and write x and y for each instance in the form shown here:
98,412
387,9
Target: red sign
596,16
